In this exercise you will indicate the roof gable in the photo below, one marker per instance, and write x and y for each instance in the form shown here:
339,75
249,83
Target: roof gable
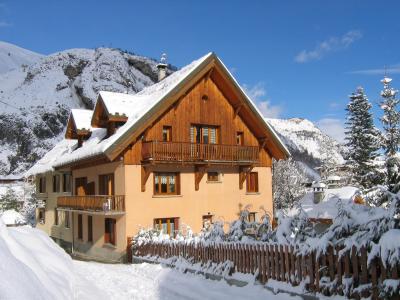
212,66
155,100
78,123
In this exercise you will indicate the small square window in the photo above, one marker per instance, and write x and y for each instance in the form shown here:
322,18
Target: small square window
251,217
212,176
239,138
167,134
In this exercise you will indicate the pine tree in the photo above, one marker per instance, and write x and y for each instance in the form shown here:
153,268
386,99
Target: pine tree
391,136
362,140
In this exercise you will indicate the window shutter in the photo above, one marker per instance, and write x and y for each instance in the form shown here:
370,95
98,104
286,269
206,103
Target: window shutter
213,136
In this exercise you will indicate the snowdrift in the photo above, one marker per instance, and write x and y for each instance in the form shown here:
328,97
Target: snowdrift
33,266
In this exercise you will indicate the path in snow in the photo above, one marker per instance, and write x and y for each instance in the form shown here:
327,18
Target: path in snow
146,281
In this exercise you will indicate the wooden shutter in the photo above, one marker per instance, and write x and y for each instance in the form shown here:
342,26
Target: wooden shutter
80,229
90,228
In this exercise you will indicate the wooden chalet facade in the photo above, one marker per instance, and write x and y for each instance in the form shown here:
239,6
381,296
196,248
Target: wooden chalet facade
190,149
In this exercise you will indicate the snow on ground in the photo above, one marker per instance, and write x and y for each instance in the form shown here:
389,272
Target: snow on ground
33,266
147,281
12,217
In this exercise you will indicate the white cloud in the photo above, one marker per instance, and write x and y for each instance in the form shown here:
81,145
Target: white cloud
258,94
332,44
4,24
332,127
393,69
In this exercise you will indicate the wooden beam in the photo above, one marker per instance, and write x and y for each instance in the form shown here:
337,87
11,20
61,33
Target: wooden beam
198,175
262,142
145,173
209,73
237,110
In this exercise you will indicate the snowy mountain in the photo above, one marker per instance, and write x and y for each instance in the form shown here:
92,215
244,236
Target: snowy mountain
13,57
308,144
36,98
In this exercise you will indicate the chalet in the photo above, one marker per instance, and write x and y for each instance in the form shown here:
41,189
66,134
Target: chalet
190,149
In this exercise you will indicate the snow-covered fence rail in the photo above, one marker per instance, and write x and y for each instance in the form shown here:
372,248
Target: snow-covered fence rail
333,272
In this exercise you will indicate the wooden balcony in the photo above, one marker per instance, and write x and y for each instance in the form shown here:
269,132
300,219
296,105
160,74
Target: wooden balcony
96,203
199,153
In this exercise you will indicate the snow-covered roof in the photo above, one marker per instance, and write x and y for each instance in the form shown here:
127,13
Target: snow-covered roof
318,185
328,207
118,103
82,118
334,178
136,107
46,163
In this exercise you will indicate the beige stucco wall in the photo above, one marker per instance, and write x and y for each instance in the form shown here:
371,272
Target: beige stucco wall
98,248
224,199
92,174
50,198
221,199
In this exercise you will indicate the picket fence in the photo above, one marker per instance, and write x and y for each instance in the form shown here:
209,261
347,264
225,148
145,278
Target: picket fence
332,272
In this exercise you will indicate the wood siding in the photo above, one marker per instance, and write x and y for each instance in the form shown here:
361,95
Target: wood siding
194,109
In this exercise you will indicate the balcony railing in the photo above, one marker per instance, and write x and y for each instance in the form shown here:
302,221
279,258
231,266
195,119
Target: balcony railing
100,203
190,152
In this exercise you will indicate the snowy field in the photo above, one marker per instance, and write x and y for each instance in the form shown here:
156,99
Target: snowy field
146,281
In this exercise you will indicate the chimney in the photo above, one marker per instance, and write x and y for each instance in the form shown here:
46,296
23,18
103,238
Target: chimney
162,67
318,191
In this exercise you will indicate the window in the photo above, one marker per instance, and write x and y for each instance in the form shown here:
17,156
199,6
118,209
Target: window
207,221
56,217
56,183
90,228
67,179
168,226
66,219
251,217
41,216
239,138
42,184
106,184
166,184
252,182
80,186
80,229
167,134
213,176
204,134
109,231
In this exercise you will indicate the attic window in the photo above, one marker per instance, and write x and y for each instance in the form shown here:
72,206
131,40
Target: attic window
204,97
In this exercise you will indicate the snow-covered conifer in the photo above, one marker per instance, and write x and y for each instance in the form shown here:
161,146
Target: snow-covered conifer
391,132
362,140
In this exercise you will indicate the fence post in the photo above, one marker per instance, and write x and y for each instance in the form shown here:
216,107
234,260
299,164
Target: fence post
272,259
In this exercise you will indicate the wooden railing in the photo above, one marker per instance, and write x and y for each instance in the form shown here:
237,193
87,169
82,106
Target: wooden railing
333,272
93,202
191,152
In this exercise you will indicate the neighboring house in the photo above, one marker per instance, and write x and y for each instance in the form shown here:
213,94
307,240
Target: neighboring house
321,204
188,150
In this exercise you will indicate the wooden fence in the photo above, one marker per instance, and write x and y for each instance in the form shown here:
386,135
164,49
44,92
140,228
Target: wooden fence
329,273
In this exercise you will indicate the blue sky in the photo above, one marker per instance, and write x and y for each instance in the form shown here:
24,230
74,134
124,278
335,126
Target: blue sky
297,58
